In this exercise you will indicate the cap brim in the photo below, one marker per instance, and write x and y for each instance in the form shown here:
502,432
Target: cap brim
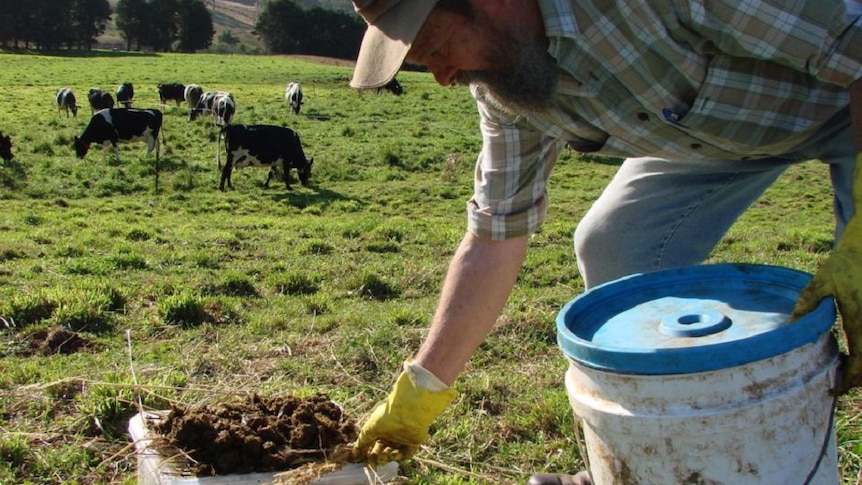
386,43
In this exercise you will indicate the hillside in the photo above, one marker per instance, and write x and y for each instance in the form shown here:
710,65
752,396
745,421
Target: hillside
239,18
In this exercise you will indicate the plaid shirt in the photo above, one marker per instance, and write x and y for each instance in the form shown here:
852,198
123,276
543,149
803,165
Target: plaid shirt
744,79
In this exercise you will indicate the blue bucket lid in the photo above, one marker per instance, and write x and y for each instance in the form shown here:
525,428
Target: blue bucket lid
690,319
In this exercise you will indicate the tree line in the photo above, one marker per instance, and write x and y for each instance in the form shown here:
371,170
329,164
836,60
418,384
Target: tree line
287,28
283,26
53,24
165,25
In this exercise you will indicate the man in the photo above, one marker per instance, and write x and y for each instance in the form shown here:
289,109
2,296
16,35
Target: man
709,102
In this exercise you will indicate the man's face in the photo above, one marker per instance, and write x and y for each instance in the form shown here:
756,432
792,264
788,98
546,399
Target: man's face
508,65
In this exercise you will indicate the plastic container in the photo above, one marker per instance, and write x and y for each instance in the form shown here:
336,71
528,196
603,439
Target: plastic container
153,469
695,375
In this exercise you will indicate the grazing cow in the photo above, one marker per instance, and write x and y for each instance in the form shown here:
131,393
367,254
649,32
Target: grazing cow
5,147
225,109
293,96
393,87
264,146
111,126
192,95
99,100
209,104
206,104
171,92
125,94
66,101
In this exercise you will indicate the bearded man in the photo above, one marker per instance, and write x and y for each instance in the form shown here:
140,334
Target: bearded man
707,102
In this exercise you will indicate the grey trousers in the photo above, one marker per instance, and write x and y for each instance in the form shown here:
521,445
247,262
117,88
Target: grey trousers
659,213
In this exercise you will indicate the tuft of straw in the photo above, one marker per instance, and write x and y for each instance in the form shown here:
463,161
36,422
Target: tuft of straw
309,472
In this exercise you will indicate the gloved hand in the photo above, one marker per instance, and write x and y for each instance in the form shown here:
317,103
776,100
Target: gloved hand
400,424
841,277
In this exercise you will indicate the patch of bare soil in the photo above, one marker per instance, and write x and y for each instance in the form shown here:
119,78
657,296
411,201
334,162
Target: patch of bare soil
55,340
261,434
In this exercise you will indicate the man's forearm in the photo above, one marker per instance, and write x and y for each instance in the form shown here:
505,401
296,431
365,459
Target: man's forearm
480,277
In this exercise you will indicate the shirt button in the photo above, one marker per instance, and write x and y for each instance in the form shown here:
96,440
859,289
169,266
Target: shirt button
642,116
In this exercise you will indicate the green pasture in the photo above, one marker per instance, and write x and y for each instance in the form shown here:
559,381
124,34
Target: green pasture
189,295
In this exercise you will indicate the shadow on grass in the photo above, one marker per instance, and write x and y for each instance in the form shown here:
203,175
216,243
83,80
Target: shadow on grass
320,196
79,53
12,174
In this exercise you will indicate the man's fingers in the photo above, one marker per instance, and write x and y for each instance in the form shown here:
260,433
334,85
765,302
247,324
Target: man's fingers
810,297
360,449
383,452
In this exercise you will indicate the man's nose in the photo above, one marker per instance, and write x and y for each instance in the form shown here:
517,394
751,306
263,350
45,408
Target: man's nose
444,75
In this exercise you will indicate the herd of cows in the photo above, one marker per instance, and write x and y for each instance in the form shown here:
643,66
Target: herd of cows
267,146
246,145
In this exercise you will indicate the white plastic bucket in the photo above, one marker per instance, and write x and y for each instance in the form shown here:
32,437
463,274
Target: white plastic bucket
695,376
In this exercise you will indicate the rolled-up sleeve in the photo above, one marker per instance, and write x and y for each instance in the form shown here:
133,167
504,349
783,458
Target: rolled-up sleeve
509,196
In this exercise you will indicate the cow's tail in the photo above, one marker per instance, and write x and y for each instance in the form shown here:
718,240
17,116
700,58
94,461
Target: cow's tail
159,146
218,144
161,132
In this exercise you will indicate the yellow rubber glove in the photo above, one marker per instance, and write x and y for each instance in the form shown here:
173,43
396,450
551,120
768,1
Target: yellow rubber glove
840,276
399,425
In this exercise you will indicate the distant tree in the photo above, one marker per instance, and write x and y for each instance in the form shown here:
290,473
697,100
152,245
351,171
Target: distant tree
8,18
162,24
131,21
227,37
286,28
52,23
334,5
195,26
89,19
330,33
26,22
278,24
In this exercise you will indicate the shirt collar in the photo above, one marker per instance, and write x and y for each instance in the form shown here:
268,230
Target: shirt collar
559,18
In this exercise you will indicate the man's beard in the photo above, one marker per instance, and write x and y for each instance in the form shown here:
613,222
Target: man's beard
527,84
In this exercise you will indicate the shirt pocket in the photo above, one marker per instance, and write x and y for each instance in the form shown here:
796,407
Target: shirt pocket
754,107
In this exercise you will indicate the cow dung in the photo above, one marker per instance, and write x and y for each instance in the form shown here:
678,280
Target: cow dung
260,434
55,340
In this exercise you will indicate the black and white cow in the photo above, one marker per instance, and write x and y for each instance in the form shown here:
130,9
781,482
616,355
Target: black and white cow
125,94
206,104
6,147
66,101
264,146
99,99
393,87
192,95
225,109
293,96
171,92
111,126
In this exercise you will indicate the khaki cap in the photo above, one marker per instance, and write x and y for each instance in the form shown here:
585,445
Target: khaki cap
392,27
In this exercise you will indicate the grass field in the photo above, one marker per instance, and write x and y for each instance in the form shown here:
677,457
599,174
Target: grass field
190,295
